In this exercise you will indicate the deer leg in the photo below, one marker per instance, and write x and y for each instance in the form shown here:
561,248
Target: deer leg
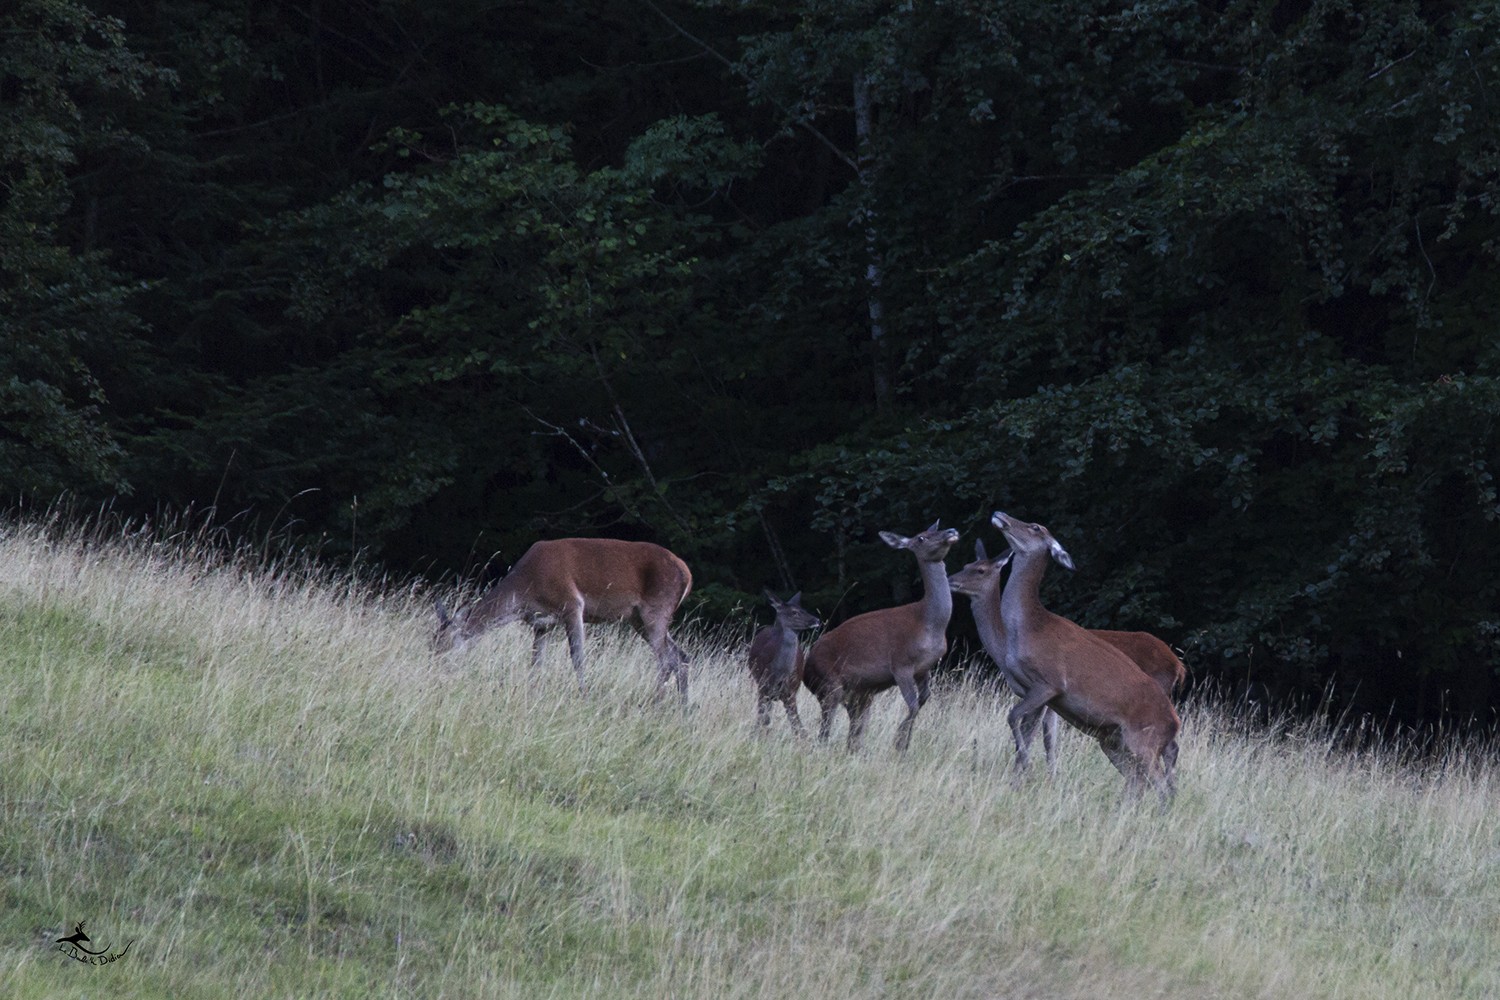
671,664
573,622
1154,764
1049,741
1169,772
679,667
1113,745
914,699
539,636
858,707
828,703
1135,761
670,659
1166,784
762,712
1023,719
789,702
655,634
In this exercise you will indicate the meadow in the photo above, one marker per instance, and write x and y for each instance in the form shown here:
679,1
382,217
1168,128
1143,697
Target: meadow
262,778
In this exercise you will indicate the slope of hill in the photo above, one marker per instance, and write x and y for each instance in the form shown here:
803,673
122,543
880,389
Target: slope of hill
265,783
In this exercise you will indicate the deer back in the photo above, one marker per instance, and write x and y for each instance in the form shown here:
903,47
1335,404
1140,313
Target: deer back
869,649
609,577
1152,655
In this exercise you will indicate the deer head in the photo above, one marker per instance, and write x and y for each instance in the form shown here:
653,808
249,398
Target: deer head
930,546
1030,539
980,577
791,614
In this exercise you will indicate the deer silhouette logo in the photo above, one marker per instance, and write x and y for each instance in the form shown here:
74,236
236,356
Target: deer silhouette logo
75,946
77,939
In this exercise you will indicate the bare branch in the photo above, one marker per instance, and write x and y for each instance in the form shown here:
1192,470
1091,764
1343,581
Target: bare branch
1390,65
609,485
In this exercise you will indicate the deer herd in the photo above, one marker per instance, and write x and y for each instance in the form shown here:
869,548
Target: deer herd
1113,686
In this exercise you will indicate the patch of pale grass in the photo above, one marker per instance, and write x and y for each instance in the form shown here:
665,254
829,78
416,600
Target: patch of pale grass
266,779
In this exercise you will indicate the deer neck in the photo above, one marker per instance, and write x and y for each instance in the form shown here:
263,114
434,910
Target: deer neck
937,597
786,646
990,623
1020,604
500,606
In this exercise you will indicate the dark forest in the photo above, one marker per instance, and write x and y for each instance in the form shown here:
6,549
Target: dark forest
1211,289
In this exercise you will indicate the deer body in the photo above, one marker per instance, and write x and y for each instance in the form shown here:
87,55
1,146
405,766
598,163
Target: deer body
1152,655
980,582
777,660
891,647
570,581
1088,682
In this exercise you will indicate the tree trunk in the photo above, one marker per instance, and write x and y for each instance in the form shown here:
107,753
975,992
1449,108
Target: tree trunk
864,134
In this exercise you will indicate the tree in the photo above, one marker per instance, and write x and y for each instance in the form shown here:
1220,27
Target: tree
1225,364
1208,289
63,310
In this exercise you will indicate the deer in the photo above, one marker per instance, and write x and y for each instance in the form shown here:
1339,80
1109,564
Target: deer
890,647
777,660
570,581
1089,683
980,582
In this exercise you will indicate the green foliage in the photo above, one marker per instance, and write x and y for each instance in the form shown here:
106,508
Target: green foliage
63,310
1209,289
497,293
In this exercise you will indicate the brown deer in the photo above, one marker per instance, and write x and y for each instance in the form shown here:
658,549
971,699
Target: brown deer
898,647
570,581
1089,683
980,582
776,660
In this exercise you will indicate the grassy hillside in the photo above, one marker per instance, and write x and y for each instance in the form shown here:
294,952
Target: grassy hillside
271,786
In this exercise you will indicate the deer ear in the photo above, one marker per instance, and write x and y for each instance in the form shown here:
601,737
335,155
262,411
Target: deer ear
894,540
934,525
979,554
1061,554
775,602
1001,561
795,599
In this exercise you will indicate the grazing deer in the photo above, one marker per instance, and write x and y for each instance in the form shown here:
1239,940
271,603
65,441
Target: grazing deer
776,660
1089,683
980,582
570,581
899,646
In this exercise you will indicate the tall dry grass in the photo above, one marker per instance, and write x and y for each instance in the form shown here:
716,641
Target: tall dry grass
263,778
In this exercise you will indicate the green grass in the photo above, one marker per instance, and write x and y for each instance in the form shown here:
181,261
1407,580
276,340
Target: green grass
270,785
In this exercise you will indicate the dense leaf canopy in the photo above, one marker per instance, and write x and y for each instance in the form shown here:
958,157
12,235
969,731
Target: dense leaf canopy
1211,289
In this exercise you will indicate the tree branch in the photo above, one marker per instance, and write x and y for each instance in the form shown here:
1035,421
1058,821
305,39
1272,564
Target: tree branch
730,65
609,484
623,426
